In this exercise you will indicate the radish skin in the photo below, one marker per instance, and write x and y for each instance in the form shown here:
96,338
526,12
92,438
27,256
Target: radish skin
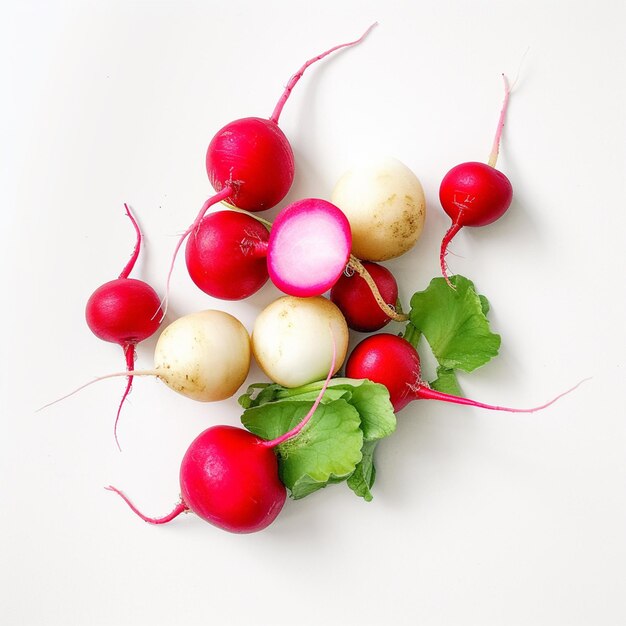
384,203
204,356
226,255
290,339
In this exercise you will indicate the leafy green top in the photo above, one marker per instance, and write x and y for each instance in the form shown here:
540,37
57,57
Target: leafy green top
454,323
336,445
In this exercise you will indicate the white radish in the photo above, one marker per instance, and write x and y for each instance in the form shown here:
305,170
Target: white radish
384,203
204,356
292,343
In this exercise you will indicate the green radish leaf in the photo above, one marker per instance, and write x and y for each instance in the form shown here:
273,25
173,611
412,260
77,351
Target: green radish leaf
454,324
447,382
362,479
327,450
274,410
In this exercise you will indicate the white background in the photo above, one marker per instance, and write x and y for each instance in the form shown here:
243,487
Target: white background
478,518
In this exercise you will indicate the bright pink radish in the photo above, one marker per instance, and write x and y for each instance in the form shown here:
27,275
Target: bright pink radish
226,255
229,477
392,361
357,303
250,161
473,193
124,311
309,247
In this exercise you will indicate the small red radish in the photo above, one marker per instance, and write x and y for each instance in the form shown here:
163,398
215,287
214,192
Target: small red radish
308,248
474,193
250,162
229,477
392,361
226,255
354,297
123,311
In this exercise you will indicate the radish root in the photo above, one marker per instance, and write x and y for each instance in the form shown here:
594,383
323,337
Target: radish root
389,311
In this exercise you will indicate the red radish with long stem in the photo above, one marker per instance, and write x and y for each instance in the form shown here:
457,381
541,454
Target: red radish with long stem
392,361
474,193
122,311
250,162
229,477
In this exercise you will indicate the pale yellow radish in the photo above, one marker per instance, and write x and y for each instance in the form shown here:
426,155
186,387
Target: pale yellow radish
384,203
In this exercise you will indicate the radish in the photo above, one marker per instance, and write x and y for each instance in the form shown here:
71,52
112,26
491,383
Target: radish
250,162
122,311
226,255
290,339
229,477
392,361
308,248
474,193
384,203
354,297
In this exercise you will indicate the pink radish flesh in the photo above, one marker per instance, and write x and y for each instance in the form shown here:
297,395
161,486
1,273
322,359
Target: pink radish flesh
392,361
354,297
226,255
308,248
124,311
229,477
474,193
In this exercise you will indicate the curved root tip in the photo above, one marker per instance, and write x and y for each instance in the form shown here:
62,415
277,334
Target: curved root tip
447,238
355,265
181,507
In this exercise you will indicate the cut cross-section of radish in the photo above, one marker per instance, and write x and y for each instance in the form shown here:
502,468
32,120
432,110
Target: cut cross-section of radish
309,247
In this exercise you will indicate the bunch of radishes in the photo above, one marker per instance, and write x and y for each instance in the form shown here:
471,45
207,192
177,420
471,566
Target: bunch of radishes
229,476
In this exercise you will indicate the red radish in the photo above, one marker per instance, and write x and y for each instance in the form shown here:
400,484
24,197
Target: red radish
226,255
229,477
123,311
392,361
354,297
308,248
473,193
250,161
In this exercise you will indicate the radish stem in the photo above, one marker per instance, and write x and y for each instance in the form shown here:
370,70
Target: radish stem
357,266
181,507
298,75
493,157
218,197
298,428
133,259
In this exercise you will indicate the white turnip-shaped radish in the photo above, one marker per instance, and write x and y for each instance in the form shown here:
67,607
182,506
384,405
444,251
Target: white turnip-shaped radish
384,203
291,342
